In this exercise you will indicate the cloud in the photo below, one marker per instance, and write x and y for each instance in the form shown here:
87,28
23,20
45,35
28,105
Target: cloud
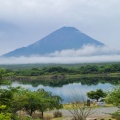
86,50
87,54
36,18
62,60
35,10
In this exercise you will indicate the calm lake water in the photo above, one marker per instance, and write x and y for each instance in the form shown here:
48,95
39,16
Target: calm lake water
66,91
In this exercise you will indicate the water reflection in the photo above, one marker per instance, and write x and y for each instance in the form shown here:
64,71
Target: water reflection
66,91
61,82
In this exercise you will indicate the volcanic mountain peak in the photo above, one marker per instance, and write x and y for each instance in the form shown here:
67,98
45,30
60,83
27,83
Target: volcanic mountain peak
61,39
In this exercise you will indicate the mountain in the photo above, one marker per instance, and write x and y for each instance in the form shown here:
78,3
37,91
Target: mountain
61,39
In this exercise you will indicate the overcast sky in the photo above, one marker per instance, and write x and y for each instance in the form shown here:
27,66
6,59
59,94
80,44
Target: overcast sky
23,22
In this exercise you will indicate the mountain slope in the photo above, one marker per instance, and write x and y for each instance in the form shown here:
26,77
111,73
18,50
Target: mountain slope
61,39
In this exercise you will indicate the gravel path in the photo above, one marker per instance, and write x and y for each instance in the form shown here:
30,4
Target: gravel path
103,111
98,111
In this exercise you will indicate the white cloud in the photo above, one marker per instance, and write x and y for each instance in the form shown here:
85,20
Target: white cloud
37,18
62,60
35,13
87,54
87,50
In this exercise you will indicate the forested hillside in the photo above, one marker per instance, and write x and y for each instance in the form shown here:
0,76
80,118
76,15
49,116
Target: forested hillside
72,70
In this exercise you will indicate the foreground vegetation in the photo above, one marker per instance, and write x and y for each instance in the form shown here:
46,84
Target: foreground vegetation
15,100
18,99
22,104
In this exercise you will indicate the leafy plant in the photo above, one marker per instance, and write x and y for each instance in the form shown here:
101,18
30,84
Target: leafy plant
116,115
3,114
113,97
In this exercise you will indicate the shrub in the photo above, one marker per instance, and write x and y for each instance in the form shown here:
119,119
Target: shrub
57,114
80,111
6,116
116,115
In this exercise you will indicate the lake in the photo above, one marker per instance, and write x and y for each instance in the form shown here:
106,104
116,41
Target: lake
65,91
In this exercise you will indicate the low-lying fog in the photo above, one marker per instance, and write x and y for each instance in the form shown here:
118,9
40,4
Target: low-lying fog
87,54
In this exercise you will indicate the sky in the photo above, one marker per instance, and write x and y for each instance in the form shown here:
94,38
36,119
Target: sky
23,22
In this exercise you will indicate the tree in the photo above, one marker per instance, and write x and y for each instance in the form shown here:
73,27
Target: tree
113,97
32,101
6,97
6,103
48,101
16,99
25,100
2,73
20,99
96,94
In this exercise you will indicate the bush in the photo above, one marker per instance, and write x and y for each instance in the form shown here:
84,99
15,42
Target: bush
116,115
57,114
6,116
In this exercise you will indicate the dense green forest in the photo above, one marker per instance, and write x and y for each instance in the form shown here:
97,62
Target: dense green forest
40,66
84,69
